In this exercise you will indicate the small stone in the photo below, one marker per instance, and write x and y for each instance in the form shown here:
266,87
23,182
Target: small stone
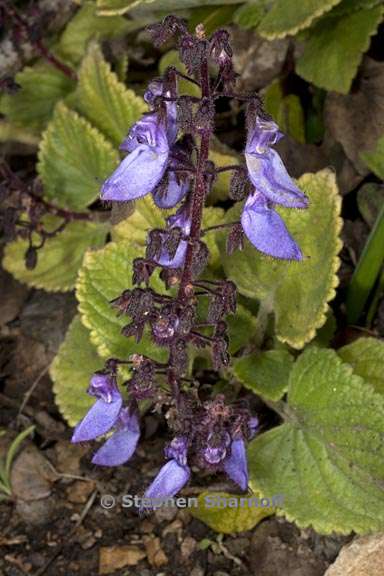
36,512
197,571
188,546
156,555
166,513
175,526
69,456
146,526
79,491
113,558
32,475
362,557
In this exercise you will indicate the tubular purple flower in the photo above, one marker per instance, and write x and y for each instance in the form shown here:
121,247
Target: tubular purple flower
266,230
120,447
175,190
266,169
180,220
155,88
169,481
140,172
104,413
177,449
235,466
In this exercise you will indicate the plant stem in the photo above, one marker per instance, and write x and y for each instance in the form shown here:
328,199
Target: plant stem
198,196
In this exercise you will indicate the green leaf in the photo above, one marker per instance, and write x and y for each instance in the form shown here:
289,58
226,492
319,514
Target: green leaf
12,450
328,458
366,357
375,159
59,259
87,25
297,292
105,101
287,17
285,110
221,185
172,58
103,277
211,17
74,159
370,198
242,327
335,46
42,85
146,6
146,216
249,15
265,373
240,513
367,270
71,371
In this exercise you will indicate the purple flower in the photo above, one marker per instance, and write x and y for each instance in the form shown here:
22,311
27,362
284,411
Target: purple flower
153,154
179,220
216,449
177,449
119,448
104,413
140,172
235,465
264,228
169,481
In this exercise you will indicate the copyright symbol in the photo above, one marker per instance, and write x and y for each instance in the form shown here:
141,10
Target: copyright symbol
107,501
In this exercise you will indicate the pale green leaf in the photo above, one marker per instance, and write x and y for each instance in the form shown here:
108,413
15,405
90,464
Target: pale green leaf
328,458
59,259
287,17
335,46
265,373
145,6
105,274
221,185
71,371
41,86
104,100
87,25
249,15
229,513
375,159
74,159
297,292
366,356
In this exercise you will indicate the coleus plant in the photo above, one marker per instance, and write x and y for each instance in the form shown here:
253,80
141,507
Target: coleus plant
168,157
328,446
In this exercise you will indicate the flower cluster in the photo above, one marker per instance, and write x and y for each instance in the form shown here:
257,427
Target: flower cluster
168,157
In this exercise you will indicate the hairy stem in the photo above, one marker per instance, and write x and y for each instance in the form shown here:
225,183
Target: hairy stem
198,196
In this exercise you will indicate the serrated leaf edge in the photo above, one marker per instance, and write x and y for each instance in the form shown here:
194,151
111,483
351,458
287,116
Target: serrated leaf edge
321,318
305,24
98,136
358,59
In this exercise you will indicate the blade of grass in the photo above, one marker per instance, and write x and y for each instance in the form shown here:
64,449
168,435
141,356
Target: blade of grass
14,447
367,270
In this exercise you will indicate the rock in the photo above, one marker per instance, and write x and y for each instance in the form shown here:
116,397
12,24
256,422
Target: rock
188,546
68,457
36,512
165,513
113,558
13,296
32,476
356,120
156,555
257,60
79,491
362,557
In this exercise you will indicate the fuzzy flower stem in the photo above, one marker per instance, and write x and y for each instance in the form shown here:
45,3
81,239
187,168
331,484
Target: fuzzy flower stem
198,196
